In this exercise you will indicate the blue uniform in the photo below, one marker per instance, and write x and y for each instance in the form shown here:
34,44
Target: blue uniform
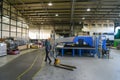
47,49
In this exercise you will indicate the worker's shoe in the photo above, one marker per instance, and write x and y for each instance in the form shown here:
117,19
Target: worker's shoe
50,62
45,60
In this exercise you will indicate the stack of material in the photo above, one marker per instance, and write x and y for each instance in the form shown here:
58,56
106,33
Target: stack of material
13,52
34,46
12,46
23,47
3,49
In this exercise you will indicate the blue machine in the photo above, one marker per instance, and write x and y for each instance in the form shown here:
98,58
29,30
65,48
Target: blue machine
88,40
105,48
79,43
101,47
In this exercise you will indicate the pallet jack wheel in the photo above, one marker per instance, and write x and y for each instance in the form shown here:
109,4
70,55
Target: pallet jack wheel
57,61
63,66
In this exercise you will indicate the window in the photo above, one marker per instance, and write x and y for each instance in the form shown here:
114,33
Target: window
6,12
19,24
13,28
13,22
99,25
25,26
111,25
0,9
18,34
24,35
0,19
5,27
13,34
86,25
13,16
93,25
19,29
0,25
13,10
6,20
5,34
27,31
0,34
0,12
105,25
24,31
6,6
19,15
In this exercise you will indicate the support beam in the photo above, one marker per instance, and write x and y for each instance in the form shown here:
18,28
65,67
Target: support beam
1,14
72,16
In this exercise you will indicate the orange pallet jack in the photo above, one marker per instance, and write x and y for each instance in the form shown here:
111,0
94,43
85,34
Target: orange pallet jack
63,66
57,63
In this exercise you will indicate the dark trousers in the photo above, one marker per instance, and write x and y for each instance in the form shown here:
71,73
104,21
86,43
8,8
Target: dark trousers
47,55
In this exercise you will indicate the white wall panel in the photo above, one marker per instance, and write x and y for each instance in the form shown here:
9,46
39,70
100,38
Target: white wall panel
100,27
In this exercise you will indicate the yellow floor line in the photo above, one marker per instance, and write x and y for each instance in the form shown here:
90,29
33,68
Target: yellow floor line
18,55
18,78
42,65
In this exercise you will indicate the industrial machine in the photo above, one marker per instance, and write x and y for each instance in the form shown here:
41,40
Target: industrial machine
79,41
103,46
78,44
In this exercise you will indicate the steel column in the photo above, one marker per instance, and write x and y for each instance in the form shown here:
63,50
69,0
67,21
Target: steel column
1,11
72,16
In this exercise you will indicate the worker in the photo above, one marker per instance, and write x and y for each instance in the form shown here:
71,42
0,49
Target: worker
94,39
47,49
107,42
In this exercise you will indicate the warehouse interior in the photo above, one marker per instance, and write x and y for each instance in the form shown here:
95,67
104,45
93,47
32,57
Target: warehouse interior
84,36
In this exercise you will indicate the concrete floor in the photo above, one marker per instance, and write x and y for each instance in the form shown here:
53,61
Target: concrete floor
88,68
5,59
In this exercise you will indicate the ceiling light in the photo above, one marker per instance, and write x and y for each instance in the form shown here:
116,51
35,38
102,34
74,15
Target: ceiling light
56,15
83,18
50,4
41,22
88,9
